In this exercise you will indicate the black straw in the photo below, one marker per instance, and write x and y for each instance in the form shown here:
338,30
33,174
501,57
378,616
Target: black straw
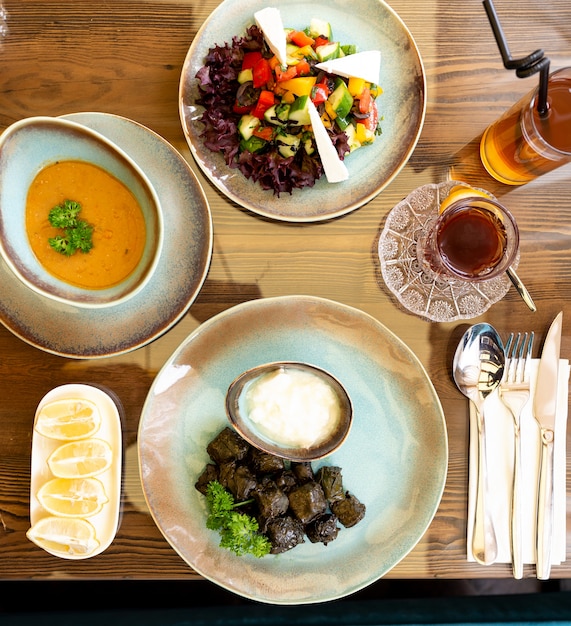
524,67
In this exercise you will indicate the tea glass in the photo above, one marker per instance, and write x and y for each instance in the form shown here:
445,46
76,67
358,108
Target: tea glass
474,239
433,294
522,145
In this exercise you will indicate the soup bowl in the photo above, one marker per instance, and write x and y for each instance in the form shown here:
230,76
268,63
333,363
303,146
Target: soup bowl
29,146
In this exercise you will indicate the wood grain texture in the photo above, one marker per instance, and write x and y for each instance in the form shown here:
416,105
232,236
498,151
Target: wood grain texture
125,57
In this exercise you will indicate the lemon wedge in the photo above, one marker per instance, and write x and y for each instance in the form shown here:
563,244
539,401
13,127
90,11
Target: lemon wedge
73,497
68,419
81,459
64,536
458,192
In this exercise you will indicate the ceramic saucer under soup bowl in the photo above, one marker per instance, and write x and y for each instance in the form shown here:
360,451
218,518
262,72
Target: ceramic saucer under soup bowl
94,333
46,162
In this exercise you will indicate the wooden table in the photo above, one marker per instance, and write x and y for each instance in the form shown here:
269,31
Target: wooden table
125,57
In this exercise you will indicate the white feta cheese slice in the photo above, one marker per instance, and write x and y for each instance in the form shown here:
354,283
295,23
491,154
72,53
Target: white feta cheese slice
335,169
269,20
365,65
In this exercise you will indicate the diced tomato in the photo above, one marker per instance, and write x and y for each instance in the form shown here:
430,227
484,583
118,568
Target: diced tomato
261,73
264,132
282,75
302,68
320,41
319,93
265,101
373,119
274,62
299,38
250,59
365,100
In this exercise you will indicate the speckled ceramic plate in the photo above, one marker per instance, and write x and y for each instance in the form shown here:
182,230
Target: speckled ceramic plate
394,459
85,333
372,25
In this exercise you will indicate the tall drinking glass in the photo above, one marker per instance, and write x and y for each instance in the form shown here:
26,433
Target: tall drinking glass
522,145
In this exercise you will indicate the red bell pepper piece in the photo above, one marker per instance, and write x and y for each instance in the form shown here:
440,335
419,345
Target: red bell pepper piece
241,110
250,59
265,101
261,73
299,38
264,132
320,41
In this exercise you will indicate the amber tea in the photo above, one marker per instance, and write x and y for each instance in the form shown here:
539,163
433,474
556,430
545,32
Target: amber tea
473,239
522,145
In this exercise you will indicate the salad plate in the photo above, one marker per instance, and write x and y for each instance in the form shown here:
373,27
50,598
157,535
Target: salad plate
370,25
73,332
394,459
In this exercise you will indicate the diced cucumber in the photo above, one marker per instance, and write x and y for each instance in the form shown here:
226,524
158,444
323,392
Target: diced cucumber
245,76
277,114
341,99
328,51
349,48
247,125
352,140
288,144
253,144
319,28
308,146
293,57
342,122
299,112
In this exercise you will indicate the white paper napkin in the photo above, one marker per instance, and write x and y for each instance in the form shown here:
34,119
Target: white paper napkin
500,454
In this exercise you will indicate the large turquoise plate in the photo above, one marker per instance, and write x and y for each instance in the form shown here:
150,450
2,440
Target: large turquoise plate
372,25
394,460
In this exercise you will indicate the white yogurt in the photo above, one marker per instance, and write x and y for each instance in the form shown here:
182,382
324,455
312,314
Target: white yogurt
293,407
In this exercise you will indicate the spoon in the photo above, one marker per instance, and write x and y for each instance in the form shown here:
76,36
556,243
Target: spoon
478,368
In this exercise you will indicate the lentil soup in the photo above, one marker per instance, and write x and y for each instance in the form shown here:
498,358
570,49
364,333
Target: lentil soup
119,230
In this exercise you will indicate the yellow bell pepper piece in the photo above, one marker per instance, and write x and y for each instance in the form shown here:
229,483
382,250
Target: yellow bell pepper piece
364,135
300,86
288,97
356,86
330,110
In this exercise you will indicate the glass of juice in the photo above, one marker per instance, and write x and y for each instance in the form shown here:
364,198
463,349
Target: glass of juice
474,239
522,145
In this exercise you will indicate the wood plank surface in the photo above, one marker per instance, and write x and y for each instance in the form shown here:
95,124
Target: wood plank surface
125,57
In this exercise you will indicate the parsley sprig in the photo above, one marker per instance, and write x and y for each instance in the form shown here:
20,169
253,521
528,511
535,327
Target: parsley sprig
77,233
238,531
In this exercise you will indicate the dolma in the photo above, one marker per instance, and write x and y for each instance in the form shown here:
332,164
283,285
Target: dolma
284,533
331,481
286,481
322,529
307,501
302,471
244,483
266,463
209,474
227,446
271,500
349,511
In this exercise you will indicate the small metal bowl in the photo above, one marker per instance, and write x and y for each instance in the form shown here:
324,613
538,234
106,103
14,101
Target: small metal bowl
269,442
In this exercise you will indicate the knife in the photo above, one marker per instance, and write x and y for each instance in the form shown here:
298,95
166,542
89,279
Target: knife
544,407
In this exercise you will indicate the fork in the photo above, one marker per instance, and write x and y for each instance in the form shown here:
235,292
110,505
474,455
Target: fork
514,392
